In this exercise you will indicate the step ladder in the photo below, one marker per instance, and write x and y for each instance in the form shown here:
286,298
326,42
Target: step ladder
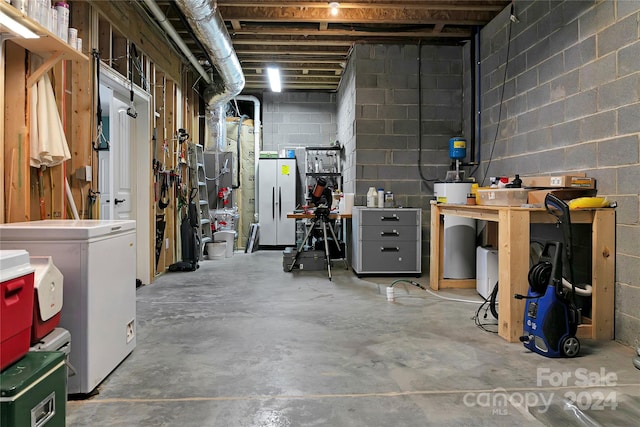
198,180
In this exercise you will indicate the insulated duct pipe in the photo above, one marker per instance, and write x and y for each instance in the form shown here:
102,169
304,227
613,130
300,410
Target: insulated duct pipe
209,28
164,23
257,131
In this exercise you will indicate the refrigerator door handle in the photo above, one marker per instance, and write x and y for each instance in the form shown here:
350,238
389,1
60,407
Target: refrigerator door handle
280,202
273,202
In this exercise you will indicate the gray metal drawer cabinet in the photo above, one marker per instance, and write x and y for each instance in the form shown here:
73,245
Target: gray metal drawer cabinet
386,241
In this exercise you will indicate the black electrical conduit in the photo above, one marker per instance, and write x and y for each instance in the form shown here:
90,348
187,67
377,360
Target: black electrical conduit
426,180
475,104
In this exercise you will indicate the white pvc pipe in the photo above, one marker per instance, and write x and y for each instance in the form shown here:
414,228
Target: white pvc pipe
72,203
256,143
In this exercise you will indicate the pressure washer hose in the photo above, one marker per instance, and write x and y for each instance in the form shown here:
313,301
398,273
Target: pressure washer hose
411,282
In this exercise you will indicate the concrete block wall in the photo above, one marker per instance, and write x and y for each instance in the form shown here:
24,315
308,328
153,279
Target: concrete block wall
346,107
396,151
571,103
387,125
294,120
298,119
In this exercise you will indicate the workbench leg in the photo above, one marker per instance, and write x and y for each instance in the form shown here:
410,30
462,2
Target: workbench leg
513,264
603,274
436,248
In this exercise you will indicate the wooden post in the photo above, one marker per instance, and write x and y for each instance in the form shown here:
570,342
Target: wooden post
159,114
513,265
80,116
603,273
435,255
16,143
172,145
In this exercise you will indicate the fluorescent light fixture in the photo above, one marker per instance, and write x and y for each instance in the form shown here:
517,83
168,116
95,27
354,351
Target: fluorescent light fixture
274,79
16,27
334,5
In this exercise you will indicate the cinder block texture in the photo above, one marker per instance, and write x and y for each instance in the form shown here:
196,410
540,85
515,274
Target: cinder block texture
346,120
386,121
295,119
396,107
581,83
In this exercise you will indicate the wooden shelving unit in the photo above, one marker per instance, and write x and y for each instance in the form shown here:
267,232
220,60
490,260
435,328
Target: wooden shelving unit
18,204
48,45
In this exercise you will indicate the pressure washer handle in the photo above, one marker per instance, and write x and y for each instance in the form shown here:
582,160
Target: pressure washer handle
560,210
553,204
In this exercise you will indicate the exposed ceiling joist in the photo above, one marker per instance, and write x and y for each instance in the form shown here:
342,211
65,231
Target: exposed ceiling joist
469,5
356,16
346,34
311,46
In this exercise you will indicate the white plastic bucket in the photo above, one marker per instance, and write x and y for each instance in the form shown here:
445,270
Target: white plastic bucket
216,250
228,237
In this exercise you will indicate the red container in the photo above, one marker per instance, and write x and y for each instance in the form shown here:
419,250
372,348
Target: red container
16,305
47,302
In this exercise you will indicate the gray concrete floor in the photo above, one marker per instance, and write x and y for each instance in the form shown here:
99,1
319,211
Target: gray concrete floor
239,342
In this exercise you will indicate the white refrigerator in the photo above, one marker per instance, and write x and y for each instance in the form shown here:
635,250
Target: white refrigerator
276,197
98,261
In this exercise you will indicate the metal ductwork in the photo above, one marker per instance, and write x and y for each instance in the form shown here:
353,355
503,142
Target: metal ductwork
209,28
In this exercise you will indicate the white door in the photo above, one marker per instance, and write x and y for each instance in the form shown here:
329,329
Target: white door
267,201
121,128
277,182
115,163
286,175
125,169
104,155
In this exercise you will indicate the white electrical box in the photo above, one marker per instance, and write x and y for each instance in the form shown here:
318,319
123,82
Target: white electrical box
486,270
83,173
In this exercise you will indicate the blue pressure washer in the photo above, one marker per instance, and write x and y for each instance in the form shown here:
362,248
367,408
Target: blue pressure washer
551,318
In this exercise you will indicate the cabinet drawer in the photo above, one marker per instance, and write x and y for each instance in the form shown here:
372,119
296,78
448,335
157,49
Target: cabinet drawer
389,233
389,217
400,256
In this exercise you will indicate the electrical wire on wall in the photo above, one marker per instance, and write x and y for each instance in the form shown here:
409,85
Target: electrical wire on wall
425,179
512,19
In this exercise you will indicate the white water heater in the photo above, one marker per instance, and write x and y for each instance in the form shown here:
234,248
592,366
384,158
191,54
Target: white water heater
459,233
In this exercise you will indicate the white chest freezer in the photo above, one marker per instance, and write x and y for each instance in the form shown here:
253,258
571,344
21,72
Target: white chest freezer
98,261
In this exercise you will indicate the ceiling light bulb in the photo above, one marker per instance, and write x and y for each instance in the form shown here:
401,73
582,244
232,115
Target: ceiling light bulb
274,79
334,5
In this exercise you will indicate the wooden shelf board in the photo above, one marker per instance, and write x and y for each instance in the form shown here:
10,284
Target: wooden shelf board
47,44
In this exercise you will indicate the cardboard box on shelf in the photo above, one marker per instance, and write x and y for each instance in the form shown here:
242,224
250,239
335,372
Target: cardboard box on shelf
577,180
536,197
502,196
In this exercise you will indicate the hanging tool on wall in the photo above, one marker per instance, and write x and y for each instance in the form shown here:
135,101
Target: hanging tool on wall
133,52
164,190
101,142
93,198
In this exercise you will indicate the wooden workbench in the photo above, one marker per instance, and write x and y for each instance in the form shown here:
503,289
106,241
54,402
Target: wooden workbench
513,262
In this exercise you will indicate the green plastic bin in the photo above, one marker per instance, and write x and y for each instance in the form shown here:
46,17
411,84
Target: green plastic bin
33,391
